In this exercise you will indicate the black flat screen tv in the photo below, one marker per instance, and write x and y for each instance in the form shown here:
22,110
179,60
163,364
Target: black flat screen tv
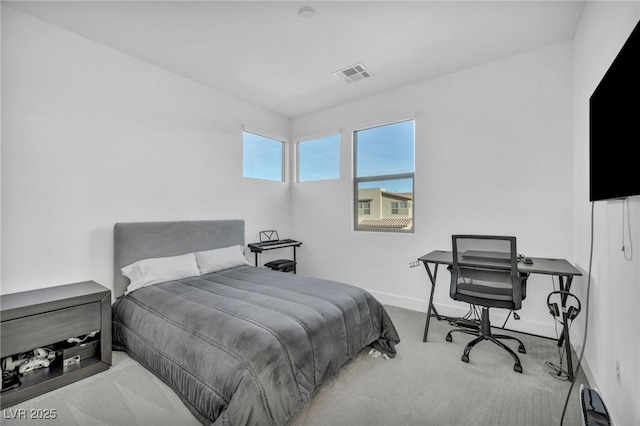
614,127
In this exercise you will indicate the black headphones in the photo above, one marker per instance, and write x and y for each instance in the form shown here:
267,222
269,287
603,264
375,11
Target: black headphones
572,311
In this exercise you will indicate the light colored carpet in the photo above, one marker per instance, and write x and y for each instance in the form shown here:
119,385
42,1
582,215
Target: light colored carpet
425,384
126,394
428,384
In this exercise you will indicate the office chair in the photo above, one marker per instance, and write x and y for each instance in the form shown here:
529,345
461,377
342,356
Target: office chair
485,273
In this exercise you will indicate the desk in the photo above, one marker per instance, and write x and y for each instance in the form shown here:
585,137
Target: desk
273,245
561,268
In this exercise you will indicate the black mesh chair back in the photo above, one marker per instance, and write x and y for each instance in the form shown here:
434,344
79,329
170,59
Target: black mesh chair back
485,273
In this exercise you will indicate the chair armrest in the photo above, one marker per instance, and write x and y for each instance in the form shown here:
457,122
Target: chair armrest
453,282
519,290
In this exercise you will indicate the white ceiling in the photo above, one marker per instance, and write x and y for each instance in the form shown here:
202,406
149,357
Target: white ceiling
262,52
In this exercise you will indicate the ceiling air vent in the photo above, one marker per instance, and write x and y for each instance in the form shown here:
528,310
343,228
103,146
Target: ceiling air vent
353,73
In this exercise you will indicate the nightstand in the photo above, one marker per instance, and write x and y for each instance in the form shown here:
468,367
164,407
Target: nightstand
49,317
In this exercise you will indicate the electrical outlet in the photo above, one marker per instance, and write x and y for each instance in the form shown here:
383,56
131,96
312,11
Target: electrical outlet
618,370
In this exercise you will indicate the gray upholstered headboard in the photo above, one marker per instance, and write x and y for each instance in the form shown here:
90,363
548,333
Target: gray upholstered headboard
134,241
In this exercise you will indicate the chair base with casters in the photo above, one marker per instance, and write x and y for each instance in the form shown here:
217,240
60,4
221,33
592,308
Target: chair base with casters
484,333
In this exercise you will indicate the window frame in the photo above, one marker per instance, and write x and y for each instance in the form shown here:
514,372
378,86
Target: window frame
397,176
399,205
366,208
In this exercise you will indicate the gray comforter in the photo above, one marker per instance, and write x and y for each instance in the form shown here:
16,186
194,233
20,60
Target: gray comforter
247,346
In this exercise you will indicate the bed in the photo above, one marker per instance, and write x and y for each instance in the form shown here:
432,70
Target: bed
240,345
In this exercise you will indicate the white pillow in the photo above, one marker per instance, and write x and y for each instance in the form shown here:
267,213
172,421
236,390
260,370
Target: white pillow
158,270
223,258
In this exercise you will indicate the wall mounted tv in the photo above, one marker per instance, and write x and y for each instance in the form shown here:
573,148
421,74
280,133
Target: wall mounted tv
614,126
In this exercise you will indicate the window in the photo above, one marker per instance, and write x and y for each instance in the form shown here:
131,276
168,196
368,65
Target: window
401,208
262,157
319,159
364,208
384,177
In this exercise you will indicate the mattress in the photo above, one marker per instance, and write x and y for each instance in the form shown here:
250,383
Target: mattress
247,345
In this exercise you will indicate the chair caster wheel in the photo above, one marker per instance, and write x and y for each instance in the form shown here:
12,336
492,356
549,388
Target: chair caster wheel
517,368
465,358
448,338
522,349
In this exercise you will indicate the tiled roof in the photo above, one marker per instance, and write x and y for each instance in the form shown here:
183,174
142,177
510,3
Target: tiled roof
386,223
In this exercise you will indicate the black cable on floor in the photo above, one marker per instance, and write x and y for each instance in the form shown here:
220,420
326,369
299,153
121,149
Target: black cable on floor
586,323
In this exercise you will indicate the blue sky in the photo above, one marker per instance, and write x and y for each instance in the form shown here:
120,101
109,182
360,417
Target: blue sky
319,158
382,150
386,150
261,157
397,185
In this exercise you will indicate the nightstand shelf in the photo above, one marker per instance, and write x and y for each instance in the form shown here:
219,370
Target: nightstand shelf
49,316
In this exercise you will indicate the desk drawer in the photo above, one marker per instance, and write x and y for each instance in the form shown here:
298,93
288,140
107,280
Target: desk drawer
19,335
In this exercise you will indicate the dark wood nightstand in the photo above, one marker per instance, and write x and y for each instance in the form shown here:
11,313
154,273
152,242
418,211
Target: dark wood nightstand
48,317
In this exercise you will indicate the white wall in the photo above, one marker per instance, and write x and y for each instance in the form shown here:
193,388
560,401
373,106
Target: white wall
614,318
91,137
493,155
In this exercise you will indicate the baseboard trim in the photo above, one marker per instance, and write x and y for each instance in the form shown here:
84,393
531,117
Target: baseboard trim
497,317
401,301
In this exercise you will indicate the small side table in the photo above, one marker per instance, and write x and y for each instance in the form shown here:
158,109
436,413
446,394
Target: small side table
48,316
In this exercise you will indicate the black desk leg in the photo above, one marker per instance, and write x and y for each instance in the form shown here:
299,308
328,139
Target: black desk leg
431,309
565,334
294,259
564,338
256,253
